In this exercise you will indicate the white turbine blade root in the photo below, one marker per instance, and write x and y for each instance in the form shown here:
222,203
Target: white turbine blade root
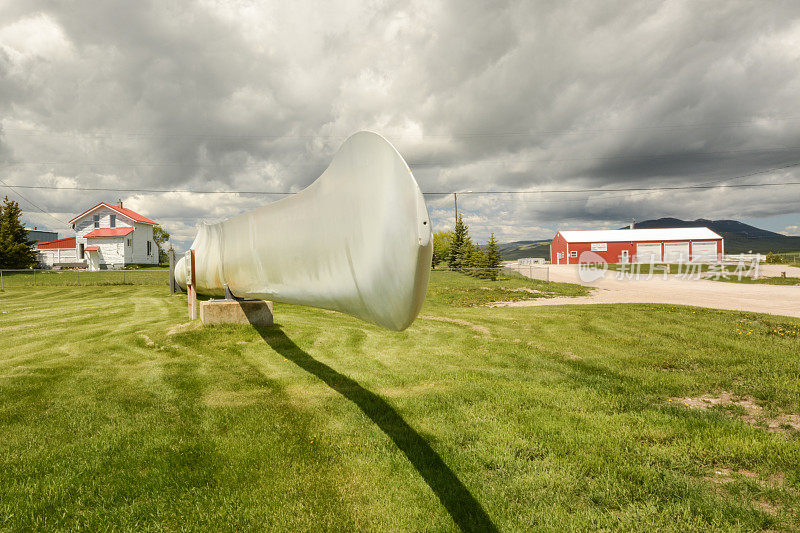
357,240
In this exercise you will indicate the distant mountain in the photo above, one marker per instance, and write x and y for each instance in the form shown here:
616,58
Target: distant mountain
518,249
733,227
739,237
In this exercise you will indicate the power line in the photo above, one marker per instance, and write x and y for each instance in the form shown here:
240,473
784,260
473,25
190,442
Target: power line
702,185
662,188
116,189
713,184
429,193
418,164
32,203
29,132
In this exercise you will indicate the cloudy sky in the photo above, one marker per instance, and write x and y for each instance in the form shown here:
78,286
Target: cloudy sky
257,96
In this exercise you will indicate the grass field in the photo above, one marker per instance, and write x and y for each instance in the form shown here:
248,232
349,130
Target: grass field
455,289
774,280
116,413
81,278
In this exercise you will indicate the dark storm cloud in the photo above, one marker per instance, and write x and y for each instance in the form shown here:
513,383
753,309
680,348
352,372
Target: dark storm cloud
476,96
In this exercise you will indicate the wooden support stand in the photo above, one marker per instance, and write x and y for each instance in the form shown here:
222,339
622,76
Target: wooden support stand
174,288
191,285
255,312
228,311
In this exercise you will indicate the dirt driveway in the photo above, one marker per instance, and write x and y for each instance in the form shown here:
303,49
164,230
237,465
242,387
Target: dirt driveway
772,299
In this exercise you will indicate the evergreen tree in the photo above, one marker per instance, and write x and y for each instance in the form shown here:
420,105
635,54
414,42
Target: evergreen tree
465,252
479,262
460,232
15,248
493,257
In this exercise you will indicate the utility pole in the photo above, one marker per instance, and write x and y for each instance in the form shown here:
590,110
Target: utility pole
455,203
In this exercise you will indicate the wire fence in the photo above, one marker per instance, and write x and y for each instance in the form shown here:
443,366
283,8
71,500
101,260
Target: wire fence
787,259
81,278
160,277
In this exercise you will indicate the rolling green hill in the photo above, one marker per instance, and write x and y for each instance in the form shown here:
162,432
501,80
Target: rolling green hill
518,249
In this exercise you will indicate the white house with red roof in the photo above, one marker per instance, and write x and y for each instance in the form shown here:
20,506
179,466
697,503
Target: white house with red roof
60,252
106,236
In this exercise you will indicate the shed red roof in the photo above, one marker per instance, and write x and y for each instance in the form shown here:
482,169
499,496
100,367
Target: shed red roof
133,215
634,235
91,249
108,232
68,242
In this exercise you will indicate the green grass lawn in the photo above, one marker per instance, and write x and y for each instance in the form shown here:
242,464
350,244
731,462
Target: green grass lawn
459,290
775,280
116,413
60,278
136,266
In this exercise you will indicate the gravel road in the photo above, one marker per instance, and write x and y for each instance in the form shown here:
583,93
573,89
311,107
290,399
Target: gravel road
772,299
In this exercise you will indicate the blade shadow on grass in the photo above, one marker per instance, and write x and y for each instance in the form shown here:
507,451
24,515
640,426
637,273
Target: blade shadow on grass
462,506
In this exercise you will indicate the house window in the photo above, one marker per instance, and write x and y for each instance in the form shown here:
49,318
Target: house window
113,221
129,243
96,219
149,248
573,253
80,251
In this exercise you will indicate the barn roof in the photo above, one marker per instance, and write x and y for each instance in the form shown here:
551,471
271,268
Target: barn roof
68,242
133,215
108,232
656,234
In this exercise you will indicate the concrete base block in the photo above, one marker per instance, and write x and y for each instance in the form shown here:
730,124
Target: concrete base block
255,312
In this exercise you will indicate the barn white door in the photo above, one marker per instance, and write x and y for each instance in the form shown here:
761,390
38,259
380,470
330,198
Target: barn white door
648,252
704,252
676,252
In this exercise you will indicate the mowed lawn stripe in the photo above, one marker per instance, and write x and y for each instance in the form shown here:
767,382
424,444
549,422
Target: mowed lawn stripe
551,418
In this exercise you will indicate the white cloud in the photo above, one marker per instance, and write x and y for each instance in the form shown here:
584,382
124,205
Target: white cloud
506,95
791,230
33,38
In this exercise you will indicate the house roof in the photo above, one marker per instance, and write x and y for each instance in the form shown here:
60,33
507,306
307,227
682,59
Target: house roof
656,234
68,242
133,215
91,249
109,232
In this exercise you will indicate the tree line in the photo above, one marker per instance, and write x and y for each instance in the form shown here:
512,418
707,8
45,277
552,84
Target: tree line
457,250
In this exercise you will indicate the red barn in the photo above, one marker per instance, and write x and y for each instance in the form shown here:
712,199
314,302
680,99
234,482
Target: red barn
662,245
